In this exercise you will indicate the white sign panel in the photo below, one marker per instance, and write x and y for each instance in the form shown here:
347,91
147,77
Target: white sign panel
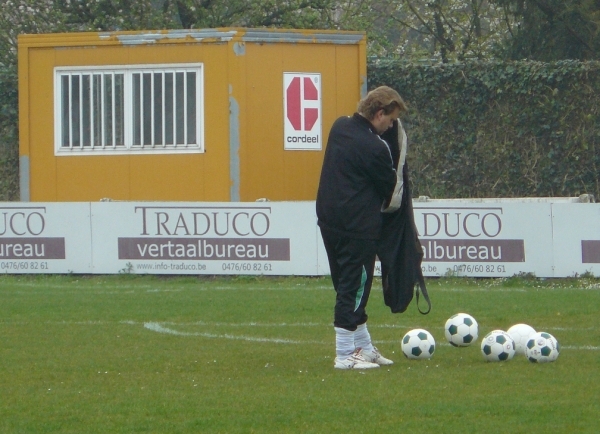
477,239
485,239
576,237
45,238
205,238
459,237
302,116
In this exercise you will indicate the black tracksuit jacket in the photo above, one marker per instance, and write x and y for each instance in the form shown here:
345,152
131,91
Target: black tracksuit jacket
356,177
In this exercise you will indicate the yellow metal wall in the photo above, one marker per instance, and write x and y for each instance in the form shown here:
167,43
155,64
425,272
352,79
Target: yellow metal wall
248,74
291,174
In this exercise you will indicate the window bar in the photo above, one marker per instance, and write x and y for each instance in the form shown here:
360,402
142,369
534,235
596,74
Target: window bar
102,104
70,110
80,111
100,111
102,116
152,142
163,102
113,109
174,109
98,89
199,111
141,114
91,104
128,96
185,109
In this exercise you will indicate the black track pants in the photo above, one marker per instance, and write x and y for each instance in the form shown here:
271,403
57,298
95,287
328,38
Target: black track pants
351,262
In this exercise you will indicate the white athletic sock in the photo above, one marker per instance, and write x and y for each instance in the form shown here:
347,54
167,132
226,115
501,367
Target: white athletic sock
362,338
344,342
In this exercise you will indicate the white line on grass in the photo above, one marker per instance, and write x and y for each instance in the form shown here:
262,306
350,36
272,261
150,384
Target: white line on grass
261,324
325,325
156,327
585,347
268,325
478,289
159,328
566,328
263,288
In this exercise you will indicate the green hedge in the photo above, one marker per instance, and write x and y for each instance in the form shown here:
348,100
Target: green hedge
498,129
9,143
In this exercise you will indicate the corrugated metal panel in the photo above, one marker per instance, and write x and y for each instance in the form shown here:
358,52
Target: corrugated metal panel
174,35
260,35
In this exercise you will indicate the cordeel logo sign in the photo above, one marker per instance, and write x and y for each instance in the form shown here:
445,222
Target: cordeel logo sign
302,117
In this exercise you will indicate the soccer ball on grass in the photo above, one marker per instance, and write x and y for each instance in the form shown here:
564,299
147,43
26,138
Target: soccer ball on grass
542,347
418,344
520,334
497,346
461,330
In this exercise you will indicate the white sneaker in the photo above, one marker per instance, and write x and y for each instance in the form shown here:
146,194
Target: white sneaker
355,361
376,357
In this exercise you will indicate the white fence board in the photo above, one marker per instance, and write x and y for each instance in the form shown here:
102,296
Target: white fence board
481,238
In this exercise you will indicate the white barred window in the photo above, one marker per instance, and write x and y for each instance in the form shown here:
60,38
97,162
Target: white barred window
128,109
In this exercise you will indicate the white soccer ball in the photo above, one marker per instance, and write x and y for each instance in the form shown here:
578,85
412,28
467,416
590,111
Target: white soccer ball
461,330
418,344
520,334
497,346
542,347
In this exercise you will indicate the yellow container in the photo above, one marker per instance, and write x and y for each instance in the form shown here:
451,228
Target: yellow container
224,114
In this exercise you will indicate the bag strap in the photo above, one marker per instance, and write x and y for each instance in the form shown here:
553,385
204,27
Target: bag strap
421,288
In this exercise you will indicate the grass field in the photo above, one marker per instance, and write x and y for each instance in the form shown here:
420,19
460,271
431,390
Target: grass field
131,354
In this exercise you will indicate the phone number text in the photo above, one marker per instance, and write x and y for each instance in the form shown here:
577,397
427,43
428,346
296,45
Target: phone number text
23,265
246,266
465,269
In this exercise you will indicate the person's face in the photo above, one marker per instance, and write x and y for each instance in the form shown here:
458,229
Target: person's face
383,122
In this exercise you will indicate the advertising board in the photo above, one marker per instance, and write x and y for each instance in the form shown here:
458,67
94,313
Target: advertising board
302,117
576,239
485,239
459,237
43,238
271,238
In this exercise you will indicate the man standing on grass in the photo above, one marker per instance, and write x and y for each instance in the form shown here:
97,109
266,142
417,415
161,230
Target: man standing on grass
357,179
